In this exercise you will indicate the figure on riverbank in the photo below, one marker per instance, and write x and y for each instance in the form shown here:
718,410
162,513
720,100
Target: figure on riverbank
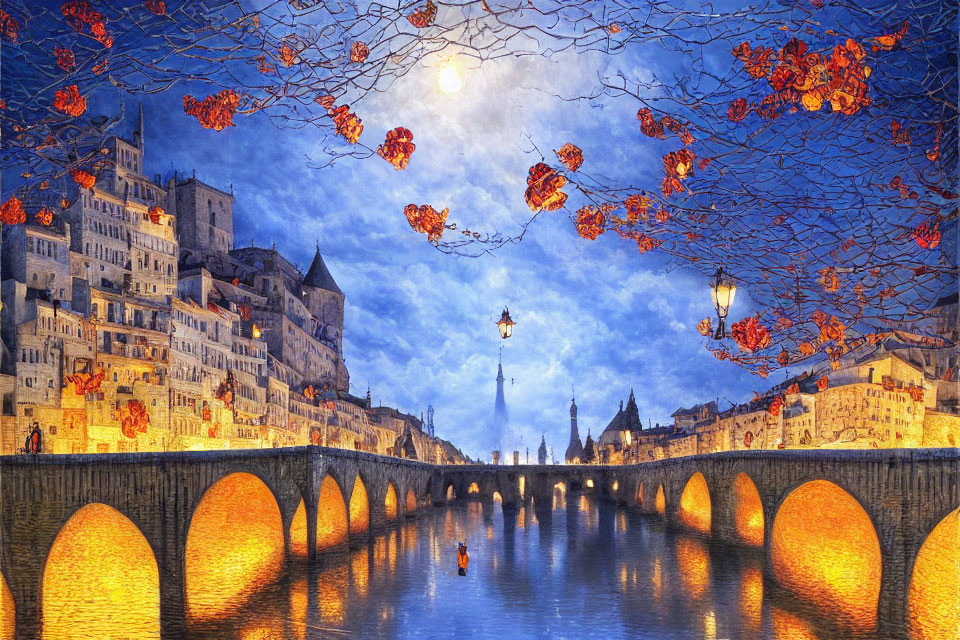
462,559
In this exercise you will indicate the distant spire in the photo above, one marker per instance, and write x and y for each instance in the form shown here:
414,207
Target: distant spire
138,135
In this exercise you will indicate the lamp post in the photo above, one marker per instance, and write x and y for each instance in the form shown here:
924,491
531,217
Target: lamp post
722,292
505,324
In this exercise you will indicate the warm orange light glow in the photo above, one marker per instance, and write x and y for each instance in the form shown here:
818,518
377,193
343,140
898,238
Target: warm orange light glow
298,606
331,515
639,498
657,580
100,579
694,510
359,508
390,502
751,598
747,511
522,484
497,498
360,571
234,545
411,501
661,502
7,611
787,626
474,488
451,493
331,594
559,496
589,483
616,486
934,598
298,532
693,563
824,548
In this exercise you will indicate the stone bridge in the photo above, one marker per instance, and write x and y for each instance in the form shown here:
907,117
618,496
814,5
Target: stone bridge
905,494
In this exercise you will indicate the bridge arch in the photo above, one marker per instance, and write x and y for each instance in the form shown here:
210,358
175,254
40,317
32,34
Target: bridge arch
410,503
332,523
933,598
359,507
100,578
235,545
473,489
660,502
638,498
747,511
8,611
451,493
390,502
825,549
695,510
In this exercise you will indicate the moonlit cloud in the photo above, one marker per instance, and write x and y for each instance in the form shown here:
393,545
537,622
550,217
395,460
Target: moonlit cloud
419,324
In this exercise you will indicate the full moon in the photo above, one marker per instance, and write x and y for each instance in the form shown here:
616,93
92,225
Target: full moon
449,79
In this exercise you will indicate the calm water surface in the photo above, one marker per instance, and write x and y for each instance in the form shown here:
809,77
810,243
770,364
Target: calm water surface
586,571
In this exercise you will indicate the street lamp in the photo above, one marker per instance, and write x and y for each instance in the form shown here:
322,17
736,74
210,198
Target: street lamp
505,324
722,291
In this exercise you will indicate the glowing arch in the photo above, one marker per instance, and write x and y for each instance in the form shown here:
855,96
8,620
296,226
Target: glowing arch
298,532
747,511
473,489
933,600
451,493
359,508
694,510
825,549
100,579
638,499
410,503
8,611
497,498
331,515
390,502
559,496
660,503
234,545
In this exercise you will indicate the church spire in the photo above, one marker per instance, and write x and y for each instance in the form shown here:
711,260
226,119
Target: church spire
138,134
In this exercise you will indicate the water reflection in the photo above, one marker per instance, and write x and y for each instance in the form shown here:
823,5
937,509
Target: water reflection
585,570
7,611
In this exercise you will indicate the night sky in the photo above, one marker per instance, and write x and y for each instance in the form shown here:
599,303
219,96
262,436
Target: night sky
420,325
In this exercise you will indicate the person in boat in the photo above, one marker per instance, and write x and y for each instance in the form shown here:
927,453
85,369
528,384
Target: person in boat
462,559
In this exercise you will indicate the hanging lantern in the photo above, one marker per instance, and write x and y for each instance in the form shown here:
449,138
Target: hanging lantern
722,291
505,324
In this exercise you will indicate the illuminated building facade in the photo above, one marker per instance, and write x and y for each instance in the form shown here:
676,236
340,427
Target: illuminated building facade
132,323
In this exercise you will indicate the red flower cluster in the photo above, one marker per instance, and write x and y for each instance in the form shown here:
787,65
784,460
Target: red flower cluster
591,222
776,406
288,56
79,13
11,211
927,235
155,214
704,328
359,52
570,155
65,59
677,165
654,128
809,79
544,188
638,206
83,178
155,6
69,101
823,383
423,18
9,27
738,110
215,111
426,219
397,148
647,243
900,134
134,419
44,216
750,335
888,41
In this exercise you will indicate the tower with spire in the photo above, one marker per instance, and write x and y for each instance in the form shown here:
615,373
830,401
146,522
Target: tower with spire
542,451
574,451
499,410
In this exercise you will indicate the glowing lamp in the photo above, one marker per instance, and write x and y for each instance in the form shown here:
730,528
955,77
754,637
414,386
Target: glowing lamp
722,292
256,331
505,324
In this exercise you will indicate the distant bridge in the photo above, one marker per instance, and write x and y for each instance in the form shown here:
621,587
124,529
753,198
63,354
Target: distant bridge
904,493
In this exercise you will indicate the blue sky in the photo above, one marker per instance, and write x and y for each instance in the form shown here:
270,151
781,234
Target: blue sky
420,324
